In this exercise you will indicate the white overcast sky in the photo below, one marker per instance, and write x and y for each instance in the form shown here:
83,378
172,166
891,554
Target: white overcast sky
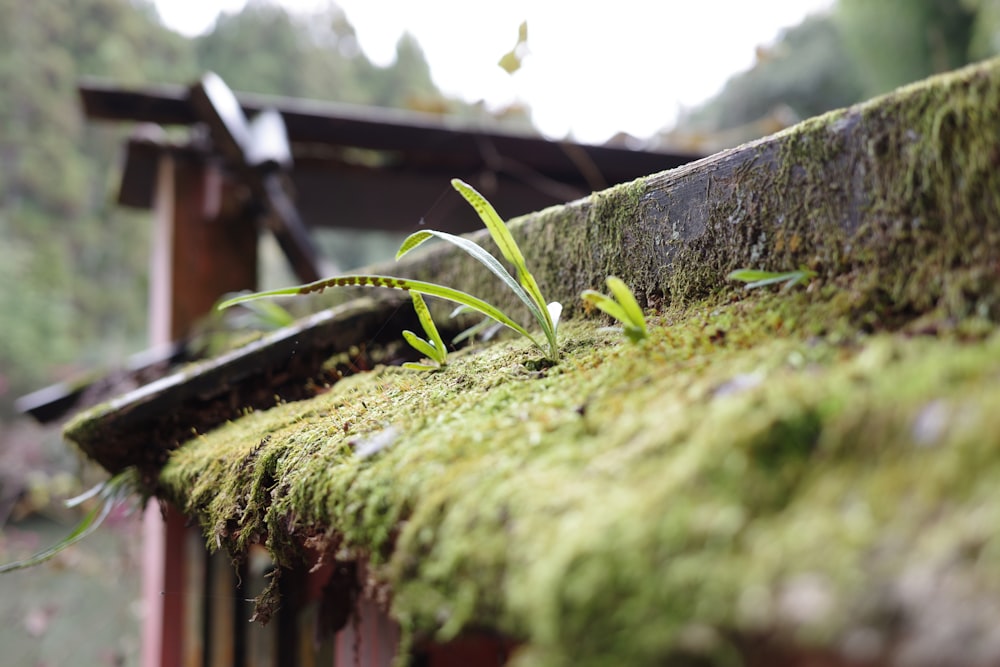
594,68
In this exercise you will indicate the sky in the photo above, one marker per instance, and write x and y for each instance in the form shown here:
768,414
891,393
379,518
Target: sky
592,69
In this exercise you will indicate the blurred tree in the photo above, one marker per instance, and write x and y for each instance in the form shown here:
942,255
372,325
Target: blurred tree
65,293
407,81
986,30
807,70
265,49
894,42
258,49
858,50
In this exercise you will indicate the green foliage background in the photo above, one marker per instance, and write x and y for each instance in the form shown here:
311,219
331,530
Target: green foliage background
72,264
860,49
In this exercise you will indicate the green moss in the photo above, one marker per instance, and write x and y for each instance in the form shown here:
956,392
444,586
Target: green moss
754,468
896,200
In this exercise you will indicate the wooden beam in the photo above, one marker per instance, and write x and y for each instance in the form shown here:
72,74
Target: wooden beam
400,200
432,139
335,194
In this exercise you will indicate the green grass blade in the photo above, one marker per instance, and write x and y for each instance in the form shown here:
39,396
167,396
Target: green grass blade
512,253
755,278
414,366
474,330
253,296
87,525
112,492
635,334
784,277
422,346
608,305
494,223
424,315
752,275
627,301
271,314
478,253
412,241
87,495
363,280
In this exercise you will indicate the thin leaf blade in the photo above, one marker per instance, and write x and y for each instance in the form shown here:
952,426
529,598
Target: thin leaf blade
367,280
607,304
751,275
755,278
112,492
427,322
416,366
494,223
412,241
87,525
422,346
478,253
512,253
627,301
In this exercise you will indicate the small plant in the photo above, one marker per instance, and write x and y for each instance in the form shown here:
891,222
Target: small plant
622,306
111,493
755,278
433,348
524,286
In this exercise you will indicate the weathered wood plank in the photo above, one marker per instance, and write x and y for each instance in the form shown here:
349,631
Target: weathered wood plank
897,201
421,137
141,427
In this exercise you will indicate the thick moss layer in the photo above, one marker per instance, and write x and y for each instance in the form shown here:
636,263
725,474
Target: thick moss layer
756,470
139,428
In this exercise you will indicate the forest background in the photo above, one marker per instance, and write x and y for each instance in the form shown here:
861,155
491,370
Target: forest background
73,265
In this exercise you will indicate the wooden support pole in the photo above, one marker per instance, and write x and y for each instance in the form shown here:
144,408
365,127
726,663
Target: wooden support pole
200,252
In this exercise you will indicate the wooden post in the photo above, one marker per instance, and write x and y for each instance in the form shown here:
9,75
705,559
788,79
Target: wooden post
371,640
200,252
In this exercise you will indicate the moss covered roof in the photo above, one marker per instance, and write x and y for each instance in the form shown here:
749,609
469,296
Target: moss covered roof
806,473
753,470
